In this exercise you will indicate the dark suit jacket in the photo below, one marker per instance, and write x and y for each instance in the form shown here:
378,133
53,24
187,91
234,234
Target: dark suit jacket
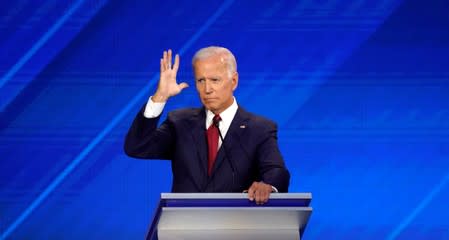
249,153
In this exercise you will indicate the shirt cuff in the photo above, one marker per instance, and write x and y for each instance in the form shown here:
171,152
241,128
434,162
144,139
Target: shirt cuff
153,109
274,189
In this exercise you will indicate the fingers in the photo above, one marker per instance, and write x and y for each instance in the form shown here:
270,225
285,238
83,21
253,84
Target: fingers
162,65
169,59
261,196
166,61
259,192
176,64
251,192
168,85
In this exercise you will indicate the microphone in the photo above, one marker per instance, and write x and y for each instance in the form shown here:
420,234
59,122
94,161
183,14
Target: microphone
216,123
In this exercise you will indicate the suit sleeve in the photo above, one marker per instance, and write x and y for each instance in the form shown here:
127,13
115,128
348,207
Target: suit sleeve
147,141
270,162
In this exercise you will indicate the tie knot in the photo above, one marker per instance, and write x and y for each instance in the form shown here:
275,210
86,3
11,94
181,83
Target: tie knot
216,118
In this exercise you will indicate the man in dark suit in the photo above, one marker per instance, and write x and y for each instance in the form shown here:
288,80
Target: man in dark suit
217,148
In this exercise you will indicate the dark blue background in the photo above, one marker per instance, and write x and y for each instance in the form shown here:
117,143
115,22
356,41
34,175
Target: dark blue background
360,90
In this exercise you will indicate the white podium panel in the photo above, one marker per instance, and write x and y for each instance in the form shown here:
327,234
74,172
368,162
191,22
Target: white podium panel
221,234
223,216
232,223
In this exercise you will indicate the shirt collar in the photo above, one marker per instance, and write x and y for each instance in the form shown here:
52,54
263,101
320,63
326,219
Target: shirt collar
226,116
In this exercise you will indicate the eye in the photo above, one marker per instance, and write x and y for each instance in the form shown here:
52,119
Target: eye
200,80
215,80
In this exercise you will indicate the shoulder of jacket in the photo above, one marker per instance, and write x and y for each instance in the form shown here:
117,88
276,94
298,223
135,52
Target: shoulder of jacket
183,113
258,120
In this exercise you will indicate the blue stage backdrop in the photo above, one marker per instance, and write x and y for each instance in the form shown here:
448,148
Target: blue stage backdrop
359,89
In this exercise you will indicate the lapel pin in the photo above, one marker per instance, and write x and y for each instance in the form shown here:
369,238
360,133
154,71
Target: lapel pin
242,126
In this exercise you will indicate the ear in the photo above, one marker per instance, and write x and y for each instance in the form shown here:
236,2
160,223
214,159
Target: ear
235,80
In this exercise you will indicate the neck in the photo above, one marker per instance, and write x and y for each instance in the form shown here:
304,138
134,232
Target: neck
219,111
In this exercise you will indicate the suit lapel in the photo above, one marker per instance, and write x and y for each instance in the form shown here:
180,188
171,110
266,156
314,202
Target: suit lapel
197,124
199,137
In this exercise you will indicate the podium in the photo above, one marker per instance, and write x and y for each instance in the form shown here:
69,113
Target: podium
229,216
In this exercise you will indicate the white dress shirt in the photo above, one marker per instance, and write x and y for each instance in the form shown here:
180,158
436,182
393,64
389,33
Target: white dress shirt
226,118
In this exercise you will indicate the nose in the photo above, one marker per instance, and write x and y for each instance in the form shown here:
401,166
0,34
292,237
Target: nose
208,87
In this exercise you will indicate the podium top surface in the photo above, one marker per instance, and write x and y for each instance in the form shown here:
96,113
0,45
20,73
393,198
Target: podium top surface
233,200
303,196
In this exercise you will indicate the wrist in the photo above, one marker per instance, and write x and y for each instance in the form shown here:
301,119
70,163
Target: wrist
159,97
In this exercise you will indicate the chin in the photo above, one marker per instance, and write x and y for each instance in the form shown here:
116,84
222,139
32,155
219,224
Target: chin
211,108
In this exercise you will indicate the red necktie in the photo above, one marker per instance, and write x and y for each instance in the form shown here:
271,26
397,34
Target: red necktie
212,143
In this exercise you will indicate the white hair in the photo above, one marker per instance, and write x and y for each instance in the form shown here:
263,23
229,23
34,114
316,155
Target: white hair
226,57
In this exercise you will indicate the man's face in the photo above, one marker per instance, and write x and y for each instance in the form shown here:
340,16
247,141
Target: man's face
214,83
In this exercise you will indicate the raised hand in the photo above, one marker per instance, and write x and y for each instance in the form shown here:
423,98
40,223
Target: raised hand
168,87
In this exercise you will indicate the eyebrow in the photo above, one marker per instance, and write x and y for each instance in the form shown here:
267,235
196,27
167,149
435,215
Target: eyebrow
211,78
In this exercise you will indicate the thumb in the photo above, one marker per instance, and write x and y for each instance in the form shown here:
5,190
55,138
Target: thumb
251,192
183,85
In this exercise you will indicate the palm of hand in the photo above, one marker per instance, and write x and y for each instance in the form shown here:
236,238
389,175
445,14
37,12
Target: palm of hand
167,82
